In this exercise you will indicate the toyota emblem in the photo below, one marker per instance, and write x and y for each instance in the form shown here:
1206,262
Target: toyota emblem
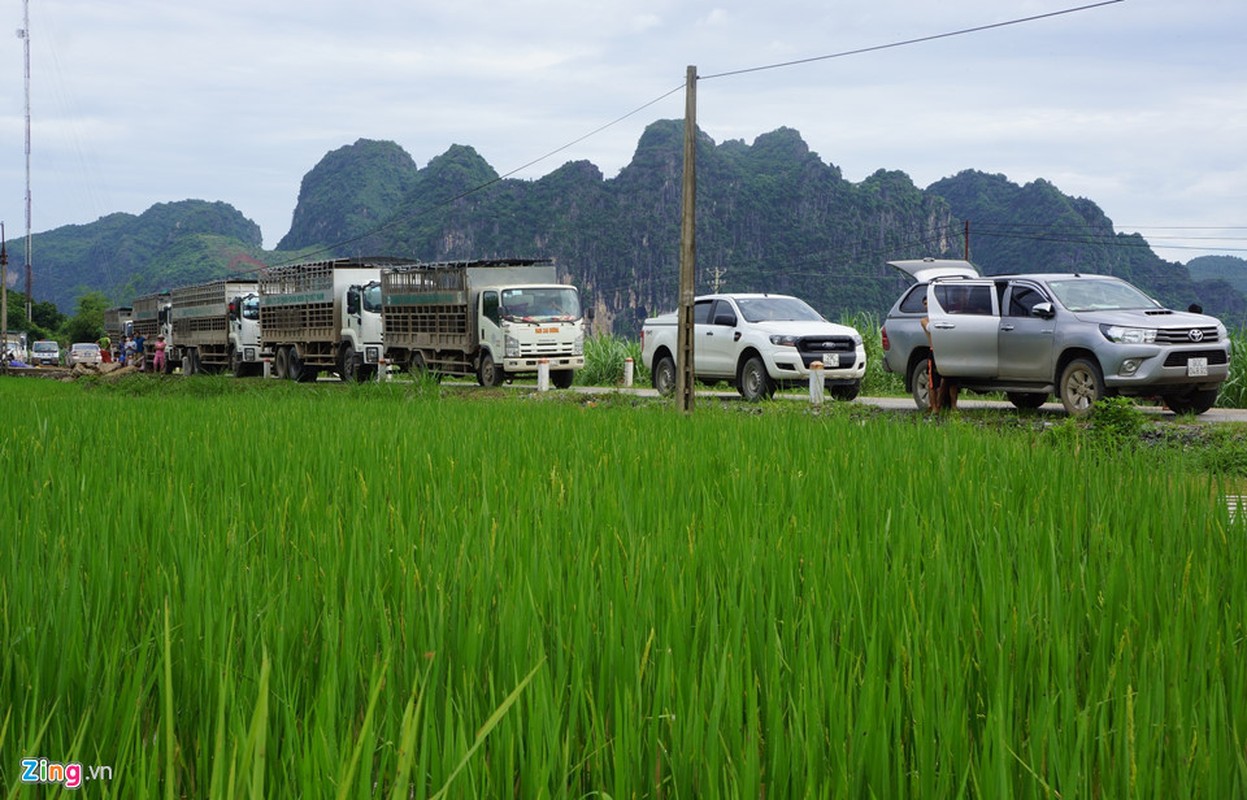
1195,335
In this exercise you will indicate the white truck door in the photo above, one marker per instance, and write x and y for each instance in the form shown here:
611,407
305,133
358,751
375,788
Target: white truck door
715,348
964,322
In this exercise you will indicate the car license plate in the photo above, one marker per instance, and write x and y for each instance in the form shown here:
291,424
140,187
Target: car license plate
831,359
1196,367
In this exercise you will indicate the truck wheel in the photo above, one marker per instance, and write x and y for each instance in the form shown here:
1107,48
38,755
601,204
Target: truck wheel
1027,400
1081,386
663,375
1196,401
281,363
488,373
920,383
236,364
754,383
349,366
562,378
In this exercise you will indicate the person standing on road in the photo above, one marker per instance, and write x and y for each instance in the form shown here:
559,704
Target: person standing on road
941,392
139,343
158,361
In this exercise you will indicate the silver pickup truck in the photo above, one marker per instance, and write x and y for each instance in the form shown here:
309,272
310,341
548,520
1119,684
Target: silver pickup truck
1078,336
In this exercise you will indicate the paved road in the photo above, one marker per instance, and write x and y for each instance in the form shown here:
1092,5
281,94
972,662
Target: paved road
905,404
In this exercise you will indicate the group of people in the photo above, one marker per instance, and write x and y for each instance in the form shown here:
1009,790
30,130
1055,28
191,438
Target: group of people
131,351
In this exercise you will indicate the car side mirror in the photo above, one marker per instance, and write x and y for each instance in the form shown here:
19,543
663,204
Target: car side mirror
1043,311
725,318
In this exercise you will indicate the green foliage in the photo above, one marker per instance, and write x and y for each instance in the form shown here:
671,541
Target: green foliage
605,355
579,600
87,325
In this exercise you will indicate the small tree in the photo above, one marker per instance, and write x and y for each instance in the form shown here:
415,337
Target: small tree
88,324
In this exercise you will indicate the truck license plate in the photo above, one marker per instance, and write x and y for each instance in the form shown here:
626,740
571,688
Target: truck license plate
1196,367
831,359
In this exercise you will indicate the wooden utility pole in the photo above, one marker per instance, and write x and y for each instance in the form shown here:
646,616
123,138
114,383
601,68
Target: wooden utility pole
684,382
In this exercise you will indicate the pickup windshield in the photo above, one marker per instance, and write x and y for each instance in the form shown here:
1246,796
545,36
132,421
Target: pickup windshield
541,304
765,309
45,347
1100,294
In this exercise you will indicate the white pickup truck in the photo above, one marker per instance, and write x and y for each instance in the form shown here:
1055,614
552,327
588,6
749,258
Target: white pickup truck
758,343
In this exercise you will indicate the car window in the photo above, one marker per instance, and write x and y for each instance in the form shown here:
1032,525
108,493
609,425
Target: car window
701,312
911,303
962,299
723,310
1022,299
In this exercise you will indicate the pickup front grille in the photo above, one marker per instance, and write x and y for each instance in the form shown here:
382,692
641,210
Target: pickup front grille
1199,335
813,348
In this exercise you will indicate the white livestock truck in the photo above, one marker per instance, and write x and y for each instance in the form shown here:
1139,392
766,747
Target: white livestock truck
217,326
323,315
490,318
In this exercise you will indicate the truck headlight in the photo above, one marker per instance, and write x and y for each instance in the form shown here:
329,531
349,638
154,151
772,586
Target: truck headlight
578,346
784,339
512,347
1123,335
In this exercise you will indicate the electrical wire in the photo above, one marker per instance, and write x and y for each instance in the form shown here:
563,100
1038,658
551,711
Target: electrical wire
906,42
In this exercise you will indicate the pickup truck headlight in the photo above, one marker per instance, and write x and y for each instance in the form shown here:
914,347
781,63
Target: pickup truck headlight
784,339
1123,335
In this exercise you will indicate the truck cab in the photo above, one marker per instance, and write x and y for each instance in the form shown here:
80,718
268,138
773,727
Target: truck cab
244,333
526,324
362,336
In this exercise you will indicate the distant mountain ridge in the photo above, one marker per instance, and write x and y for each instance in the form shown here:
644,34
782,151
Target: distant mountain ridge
771,216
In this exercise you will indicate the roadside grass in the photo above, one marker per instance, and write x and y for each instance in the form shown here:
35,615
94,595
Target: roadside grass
224,588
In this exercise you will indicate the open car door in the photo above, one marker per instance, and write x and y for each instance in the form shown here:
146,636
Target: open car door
965,327
925,269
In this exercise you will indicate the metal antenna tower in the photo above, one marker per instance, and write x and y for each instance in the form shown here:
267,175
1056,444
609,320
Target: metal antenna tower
24,35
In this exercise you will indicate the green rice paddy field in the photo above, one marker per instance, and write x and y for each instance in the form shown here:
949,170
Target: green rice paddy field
223,589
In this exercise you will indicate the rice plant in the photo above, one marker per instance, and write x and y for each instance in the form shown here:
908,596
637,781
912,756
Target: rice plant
307,591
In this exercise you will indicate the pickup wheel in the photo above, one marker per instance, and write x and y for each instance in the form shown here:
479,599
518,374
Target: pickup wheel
920,383
663,375
1027,400
846,393
1081,386
1196,401
488,373
753,383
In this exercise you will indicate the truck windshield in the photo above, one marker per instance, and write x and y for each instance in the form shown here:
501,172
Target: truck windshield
763,309
1100,294
251,307
372,297
541,304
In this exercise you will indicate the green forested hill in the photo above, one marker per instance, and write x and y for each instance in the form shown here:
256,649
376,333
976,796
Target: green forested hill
771,216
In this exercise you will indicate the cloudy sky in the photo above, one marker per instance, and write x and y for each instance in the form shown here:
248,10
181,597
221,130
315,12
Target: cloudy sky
1138,105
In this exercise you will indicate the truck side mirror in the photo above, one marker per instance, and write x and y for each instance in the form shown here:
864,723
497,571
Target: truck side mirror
1043,311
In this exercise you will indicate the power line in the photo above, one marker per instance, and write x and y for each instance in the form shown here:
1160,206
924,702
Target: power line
906,42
